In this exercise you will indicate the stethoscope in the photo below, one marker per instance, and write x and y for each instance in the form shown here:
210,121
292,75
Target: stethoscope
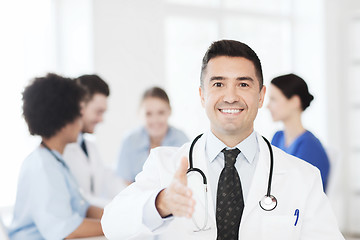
267,203
54,155
80,191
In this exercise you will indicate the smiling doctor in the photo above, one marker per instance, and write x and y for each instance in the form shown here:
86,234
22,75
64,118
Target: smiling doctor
236,164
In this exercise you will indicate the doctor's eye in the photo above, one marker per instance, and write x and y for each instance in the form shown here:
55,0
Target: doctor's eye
218,84
244,84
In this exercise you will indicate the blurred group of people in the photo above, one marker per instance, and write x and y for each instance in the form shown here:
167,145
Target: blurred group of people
63,183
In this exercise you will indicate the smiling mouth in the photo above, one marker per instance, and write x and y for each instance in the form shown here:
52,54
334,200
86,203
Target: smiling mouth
231,110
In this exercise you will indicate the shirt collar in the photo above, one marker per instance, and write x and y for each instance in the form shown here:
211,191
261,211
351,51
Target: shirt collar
248,146
80,138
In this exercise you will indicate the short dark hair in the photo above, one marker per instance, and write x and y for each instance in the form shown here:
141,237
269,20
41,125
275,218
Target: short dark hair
290,85
93,84
156,92
231,48
51,102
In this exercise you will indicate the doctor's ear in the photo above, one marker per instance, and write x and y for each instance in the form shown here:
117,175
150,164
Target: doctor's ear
262,96
201,93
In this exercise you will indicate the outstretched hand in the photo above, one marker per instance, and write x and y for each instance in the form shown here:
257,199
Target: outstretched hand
177,198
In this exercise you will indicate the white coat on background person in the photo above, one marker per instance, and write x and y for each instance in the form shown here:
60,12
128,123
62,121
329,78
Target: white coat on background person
296,185
98,183
164,198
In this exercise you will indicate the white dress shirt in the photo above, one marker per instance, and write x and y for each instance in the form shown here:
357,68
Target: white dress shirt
245,162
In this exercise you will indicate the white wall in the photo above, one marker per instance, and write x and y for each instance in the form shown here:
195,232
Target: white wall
74,37
27,47
334,86
129,55
309,61
343,74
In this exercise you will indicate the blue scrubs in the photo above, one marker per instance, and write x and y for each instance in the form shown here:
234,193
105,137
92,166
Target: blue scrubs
135,150
308,148
48,202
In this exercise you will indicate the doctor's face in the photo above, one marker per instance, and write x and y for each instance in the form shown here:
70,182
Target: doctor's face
231,96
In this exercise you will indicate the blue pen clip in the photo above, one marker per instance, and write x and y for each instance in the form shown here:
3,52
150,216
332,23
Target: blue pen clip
297,212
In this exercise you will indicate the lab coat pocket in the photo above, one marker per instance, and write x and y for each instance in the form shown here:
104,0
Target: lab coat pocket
277,227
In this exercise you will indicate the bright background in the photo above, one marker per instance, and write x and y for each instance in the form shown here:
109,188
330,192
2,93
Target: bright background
135,44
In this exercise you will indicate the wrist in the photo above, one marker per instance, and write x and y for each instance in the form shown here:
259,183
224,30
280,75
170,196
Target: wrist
161,205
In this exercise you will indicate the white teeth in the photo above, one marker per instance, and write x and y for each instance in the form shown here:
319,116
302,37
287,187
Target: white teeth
230,110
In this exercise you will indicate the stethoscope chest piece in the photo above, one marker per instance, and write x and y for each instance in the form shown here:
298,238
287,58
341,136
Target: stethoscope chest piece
268,203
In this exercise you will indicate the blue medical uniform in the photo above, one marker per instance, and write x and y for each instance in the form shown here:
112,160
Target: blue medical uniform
308,148
135,149
48,202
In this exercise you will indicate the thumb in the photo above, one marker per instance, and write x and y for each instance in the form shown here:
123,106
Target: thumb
180,173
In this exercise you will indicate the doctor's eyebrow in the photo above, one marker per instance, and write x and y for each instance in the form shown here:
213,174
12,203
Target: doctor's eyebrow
217,78
245,79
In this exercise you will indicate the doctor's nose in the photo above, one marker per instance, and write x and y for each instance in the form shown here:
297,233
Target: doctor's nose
231,95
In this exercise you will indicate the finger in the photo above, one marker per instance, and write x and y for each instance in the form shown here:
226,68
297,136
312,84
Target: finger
183,201
180,173
179,188
183,210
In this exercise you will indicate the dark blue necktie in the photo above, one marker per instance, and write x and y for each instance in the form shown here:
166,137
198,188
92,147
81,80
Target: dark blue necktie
229,200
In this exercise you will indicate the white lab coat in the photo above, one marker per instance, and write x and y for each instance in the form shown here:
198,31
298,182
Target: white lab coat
106,184
296,185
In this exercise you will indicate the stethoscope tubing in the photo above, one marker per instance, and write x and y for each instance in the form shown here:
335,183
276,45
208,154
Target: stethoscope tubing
80,191
271,167
273,201
191,166
54,155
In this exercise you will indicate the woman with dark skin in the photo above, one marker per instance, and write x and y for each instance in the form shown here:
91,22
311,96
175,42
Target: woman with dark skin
49,204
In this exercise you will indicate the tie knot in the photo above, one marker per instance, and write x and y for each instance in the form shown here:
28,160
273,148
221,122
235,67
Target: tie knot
230,156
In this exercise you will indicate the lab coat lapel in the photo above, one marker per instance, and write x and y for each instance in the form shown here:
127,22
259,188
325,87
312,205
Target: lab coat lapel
259,183
200,161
